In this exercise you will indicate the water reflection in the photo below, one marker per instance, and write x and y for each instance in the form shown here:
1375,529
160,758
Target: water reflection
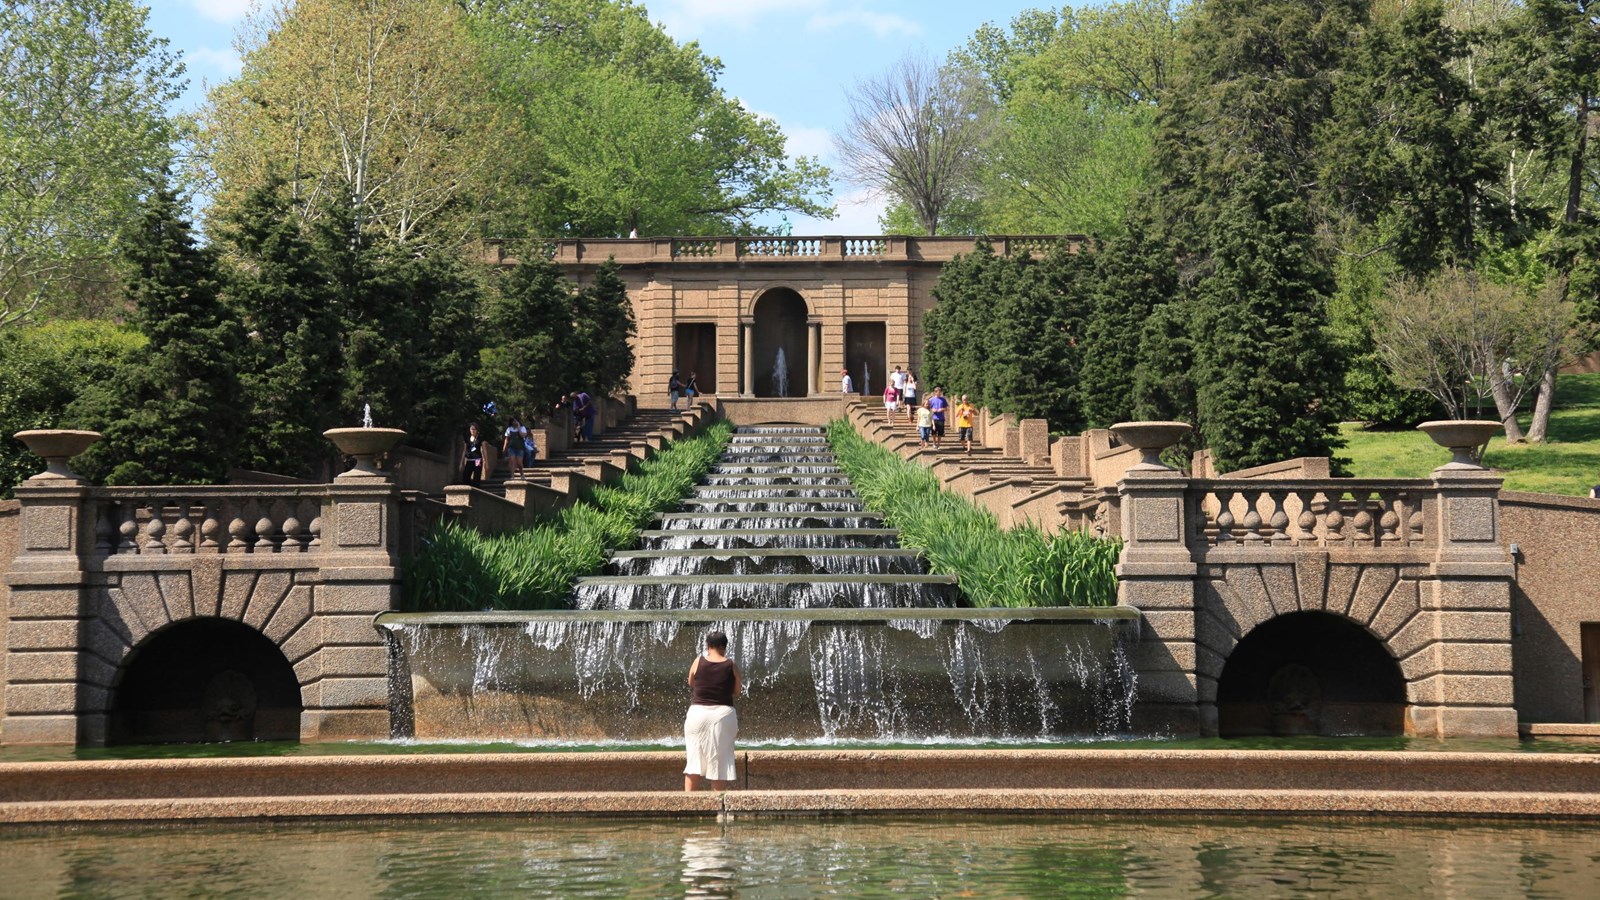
926,857
709,867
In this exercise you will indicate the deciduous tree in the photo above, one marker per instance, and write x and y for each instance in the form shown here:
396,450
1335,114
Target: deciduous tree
83,136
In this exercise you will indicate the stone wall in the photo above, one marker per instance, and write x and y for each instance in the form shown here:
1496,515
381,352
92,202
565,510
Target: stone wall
1558,539
9,534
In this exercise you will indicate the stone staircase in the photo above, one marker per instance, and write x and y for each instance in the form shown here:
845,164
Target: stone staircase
1015,487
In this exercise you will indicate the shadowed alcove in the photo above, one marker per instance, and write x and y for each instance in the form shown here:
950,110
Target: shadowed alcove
1310,673
206,680
780,324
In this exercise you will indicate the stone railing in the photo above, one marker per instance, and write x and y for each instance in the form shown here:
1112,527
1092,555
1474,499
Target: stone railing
207,520
1331,513
699,250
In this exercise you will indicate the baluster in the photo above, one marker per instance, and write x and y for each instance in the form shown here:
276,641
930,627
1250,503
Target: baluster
1362,521
154,530
316,532
294,537
1389,523
1331,519
1252,517
210,534
182,529
128,530
239,531
266,535
1224,517
1307,520
1413,519
1278,521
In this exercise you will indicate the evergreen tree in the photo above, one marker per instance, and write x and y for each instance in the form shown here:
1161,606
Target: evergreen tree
602,332
1134,274
956,353
410,332
1163,389
1264,370
291,373
1037,336
530,359
175,415
1405,152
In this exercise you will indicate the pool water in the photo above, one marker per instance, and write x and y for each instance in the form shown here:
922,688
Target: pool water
969,856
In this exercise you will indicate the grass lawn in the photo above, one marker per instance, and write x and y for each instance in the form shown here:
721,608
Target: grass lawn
1569,463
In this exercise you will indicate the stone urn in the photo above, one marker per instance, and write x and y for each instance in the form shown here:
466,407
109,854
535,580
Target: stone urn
56,446
366,445
1462,437
1150,438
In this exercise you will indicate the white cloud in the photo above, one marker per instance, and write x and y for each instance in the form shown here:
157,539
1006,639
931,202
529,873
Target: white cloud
801,140
689,19
857,215
880,24
222,10
223,62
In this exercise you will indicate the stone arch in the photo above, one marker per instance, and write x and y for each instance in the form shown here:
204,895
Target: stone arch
204,679
1310,673
778,319
1381,600
133,608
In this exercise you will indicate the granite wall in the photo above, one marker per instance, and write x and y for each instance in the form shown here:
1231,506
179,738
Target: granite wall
1558,544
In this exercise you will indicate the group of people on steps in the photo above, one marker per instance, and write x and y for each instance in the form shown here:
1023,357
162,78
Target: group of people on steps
517,446
931,416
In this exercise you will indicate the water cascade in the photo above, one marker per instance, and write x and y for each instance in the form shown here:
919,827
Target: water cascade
841,632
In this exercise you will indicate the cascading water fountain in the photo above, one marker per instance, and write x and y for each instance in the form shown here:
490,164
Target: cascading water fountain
841,632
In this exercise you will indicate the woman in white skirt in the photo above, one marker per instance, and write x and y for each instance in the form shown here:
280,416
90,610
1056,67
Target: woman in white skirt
712,724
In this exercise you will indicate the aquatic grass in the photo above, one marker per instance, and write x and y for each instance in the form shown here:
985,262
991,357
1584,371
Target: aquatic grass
1021,567
459,568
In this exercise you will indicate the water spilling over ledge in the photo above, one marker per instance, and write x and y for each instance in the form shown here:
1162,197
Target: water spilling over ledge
876,674
841,633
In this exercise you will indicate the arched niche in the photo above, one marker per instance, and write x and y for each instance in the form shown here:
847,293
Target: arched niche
778,320
205,680
1310,673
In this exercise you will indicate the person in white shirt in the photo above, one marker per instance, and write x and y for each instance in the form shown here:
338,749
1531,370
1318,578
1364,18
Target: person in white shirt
845,384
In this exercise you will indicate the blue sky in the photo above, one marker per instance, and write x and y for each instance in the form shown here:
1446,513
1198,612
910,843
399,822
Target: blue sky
790,60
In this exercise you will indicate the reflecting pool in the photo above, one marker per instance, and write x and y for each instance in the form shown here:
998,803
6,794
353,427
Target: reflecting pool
970,856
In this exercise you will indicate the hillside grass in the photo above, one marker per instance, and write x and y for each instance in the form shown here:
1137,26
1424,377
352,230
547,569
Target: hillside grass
1568,463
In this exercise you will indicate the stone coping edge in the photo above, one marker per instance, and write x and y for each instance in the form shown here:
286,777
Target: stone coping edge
864,615
810,783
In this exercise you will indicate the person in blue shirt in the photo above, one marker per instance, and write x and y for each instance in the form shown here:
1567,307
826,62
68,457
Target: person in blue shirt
940,407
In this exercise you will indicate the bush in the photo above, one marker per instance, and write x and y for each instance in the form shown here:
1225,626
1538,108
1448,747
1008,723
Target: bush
1017,568
461,569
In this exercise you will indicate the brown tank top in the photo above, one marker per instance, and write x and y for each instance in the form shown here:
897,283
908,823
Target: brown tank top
712,684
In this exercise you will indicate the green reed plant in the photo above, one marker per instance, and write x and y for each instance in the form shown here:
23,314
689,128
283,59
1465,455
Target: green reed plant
995,567
459,568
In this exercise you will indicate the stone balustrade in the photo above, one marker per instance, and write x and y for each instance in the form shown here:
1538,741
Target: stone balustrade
700,250
1331,513
207,520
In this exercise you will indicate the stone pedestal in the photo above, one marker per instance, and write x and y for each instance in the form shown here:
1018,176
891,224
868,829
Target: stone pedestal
1156,575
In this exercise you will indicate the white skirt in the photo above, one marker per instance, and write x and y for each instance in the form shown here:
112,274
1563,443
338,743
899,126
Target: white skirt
708,733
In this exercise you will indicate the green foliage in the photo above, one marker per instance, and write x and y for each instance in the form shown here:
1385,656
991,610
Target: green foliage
42,369
602,332
1264,371
289,364
1022,567
461,569
1007,331
173,415
1404,149
618,127
83,134
410,332
1134,274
